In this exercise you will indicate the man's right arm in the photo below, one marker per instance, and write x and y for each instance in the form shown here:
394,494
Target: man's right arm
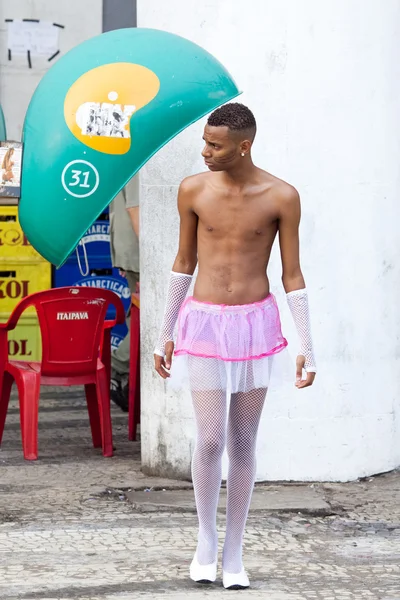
181,275
186,258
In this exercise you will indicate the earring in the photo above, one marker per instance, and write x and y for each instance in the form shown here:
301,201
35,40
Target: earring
242,153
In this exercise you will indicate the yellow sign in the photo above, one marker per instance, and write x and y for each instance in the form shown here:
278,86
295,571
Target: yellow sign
14,246
100,104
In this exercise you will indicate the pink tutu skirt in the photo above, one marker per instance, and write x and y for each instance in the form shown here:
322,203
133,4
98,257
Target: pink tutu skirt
228,347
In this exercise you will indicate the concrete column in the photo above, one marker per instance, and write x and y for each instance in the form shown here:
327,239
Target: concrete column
118,14
323,81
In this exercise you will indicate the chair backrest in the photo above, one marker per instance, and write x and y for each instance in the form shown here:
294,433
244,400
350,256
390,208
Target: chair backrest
71,321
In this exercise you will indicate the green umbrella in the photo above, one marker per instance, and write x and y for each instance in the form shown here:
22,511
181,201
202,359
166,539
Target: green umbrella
3,131
98,116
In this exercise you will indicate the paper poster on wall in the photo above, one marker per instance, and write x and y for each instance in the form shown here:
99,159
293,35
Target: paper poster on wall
107,120
10,169
32,37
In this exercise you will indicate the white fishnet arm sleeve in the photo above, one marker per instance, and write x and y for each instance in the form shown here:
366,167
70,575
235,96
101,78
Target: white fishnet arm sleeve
298,304
179,284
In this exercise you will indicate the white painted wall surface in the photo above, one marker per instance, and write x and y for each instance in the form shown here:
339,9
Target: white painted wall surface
323,81
82,20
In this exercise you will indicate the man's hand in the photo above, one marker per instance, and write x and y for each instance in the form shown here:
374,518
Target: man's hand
161,365
302,383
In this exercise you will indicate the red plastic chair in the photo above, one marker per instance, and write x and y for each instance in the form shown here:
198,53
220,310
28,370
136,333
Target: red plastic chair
72,324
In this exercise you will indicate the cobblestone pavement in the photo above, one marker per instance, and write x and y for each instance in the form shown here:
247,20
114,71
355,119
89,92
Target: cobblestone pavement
67,529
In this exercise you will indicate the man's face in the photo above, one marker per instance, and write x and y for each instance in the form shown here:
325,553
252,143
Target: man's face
221,151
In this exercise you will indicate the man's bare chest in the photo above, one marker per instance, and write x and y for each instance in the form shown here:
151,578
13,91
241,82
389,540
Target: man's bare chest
236,217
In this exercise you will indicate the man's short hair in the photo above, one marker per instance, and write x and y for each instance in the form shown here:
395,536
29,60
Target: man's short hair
236,117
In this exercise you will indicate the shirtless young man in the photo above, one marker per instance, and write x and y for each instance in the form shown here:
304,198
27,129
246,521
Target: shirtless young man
229,332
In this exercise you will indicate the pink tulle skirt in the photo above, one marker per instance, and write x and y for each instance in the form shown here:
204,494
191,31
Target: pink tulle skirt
228,347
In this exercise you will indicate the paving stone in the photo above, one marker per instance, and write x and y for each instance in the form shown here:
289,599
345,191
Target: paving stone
72,526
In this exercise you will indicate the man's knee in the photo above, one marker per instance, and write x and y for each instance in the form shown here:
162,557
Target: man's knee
242,443
211,445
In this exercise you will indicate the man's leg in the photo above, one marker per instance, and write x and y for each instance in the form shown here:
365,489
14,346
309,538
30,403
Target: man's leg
244,417
210,414
120,357
210,410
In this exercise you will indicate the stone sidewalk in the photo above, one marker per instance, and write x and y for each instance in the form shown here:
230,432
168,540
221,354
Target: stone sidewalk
76,525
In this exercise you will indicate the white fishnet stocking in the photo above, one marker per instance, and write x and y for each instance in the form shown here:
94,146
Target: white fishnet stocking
210,408
244,417
210,413
298,304
179,284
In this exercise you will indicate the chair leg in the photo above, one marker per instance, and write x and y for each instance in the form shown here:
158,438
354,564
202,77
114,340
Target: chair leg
106,354
93,410
8,380
103,400
133,371
29,392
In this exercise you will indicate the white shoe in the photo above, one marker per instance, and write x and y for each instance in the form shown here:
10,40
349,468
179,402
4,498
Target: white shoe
203,573
235,581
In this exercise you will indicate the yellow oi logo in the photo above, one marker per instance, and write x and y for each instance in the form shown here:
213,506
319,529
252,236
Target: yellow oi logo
100,104
10,237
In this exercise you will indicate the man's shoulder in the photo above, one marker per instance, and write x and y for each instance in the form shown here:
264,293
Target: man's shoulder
194,182
190,189
287,192
282,190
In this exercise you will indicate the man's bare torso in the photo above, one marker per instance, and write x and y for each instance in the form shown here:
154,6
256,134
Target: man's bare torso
236,229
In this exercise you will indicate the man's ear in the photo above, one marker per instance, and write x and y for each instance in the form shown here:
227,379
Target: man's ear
245,146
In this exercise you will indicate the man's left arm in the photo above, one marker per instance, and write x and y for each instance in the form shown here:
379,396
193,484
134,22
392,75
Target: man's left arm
293,281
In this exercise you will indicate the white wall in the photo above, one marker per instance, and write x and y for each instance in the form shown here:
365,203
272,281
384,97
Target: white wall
323,81
82,20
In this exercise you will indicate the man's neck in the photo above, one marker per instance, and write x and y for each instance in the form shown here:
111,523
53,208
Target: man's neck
241,175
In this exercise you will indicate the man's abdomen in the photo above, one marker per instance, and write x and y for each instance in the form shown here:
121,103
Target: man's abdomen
229,286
